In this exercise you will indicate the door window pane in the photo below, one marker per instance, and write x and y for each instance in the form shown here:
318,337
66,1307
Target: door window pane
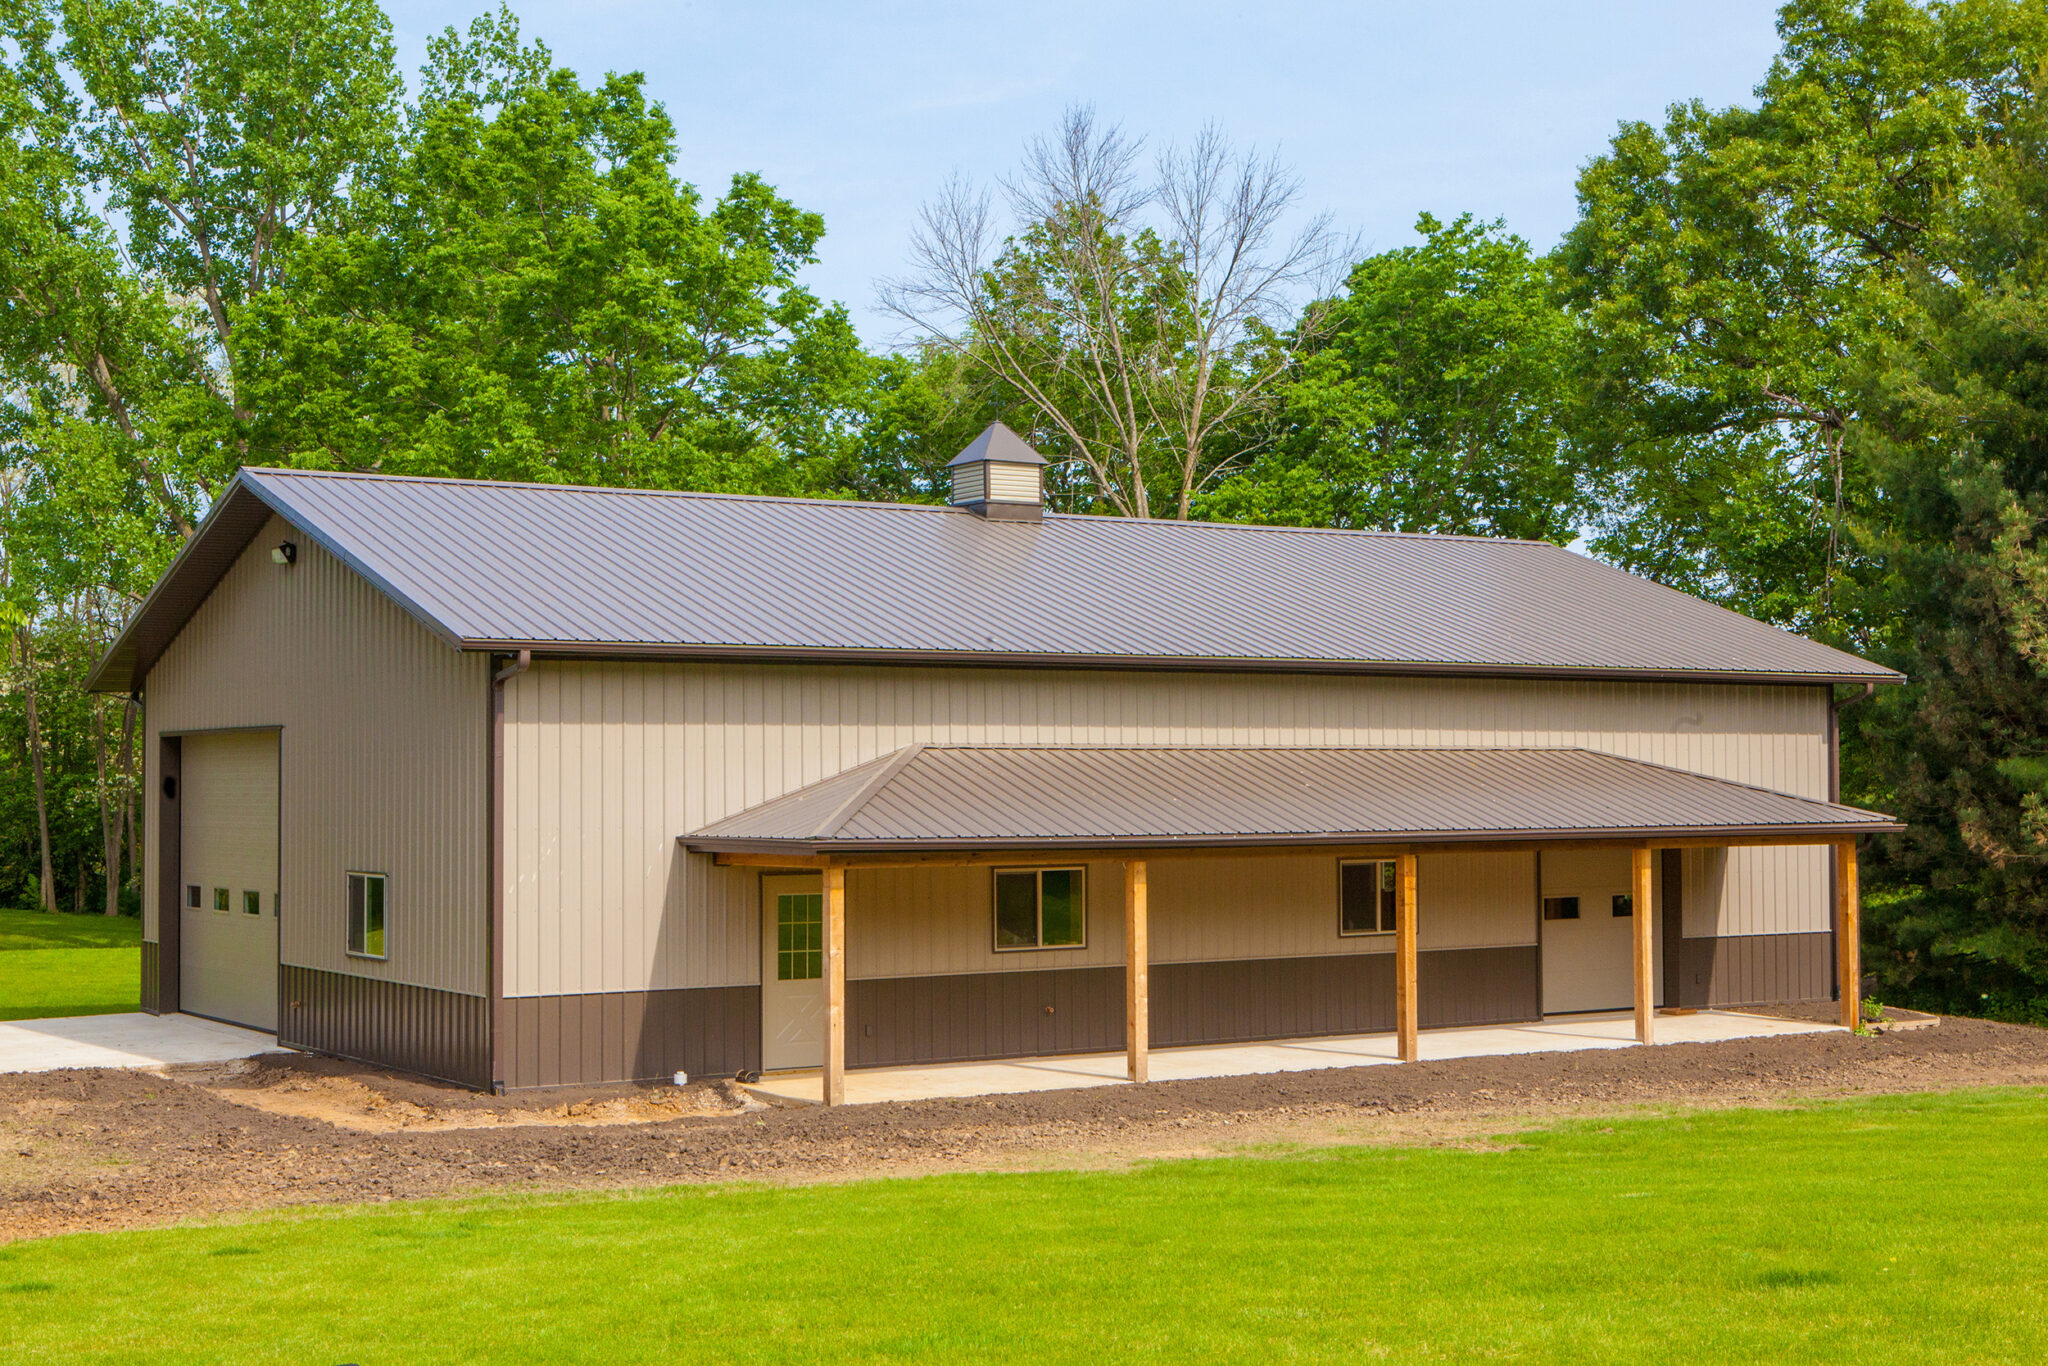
1016,910
1059,908
800,936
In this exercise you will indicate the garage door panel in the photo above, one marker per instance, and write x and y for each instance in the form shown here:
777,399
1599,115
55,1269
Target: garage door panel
227,960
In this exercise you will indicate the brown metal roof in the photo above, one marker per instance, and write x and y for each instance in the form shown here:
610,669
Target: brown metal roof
617,572
994,797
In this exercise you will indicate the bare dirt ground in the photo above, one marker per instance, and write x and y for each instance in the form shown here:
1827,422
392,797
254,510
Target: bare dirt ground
101,1149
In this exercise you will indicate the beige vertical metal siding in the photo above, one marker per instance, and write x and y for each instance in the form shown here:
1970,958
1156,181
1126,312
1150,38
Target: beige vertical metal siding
1476,900
608,763
1731,892
383,755
916,922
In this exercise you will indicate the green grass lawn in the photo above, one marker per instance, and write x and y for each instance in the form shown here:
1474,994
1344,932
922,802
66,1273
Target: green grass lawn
68,964
1901,1229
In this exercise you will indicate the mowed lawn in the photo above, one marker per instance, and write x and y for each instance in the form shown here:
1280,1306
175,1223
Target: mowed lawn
68,964
1901,1229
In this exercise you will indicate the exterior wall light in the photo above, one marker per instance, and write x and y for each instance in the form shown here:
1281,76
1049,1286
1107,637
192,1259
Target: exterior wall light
285,552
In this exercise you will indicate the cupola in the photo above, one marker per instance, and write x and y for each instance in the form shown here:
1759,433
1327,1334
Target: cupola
999,477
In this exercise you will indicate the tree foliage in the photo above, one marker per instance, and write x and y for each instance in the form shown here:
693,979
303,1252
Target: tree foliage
1734,270
1957,438
526,292
1141,319
1435,396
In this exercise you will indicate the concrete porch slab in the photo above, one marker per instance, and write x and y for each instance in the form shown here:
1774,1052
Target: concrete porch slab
1557,1034
131,1040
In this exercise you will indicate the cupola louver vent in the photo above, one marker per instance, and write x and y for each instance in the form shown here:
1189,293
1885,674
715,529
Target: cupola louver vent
999,477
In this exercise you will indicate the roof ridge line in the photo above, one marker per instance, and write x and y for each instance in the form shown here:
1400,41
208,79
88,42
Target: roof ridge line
708,495
879,504
885,773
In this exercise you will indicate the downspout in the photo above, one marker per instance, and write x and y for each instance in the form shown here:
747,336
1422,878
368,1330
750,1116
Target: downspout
500,1024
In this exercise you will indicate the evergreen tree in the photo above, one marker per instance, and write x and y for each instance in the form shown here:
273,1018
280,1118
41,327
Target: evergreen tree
1957,436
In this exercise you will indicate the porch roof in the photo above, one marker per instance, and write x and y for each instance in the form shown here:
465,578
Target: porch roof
941,798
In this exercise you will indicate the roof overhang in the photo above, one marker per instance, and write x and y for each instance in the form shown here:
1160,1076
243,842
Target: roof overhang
229,526
973,803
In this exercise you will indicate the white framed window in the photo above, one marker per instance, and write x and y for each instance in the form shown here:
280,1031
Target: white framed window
252,903
220,899
1040,908
1366,899
192,895
368,905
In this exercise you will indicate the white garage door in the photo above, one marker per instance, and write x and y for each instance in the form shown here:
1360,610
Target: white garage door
227,954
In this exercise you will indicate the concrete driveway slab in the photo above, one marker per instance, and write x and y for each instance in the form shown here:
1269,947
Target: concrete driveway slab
132,1040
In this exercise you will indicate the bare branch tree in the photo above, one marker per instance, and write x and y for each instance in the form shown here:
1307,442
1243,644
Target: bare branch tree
1144,317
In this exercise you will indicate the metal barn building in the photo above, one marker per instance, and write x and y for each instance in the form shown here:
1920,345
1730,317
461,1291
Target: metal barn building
521,785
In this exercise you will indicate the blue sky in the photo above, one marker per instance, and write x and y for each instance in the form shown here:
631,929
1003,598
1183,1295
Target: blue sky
861,111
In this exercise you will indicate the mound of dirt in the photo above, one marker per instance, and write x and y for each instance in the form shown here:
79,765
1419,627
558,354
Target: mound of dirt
350,1097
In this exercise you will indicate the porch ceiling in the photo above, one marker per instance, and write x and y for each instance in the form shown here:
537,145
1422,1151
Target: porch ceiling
935,798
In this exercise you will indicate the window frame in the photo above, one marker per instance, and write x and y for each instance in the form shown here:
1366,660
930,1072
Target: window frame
349,917
1038,871
1391,914
195,897
252,899
223,901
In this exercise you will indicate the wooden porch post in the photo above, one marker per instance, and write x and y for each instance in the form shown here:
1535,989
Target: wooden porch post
835,985
1137,973
1848,934
1642,923
1405,1015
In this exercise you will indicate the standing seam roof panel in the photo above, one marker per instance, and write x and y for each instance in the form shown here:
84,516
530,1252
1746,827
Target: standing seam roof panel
591,569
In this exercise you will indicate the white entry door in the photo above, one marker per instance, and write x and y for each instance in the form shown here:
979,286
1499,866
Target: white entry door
227,947
792,971
1588,931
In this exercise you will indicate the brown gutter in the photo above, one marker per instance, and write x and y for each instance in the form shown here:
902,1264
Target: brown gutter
500,1017
1019,659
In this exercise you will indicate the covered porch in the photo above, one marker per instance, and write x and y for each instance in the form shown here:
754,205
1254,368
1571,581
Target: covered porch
934,807
1558,1034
